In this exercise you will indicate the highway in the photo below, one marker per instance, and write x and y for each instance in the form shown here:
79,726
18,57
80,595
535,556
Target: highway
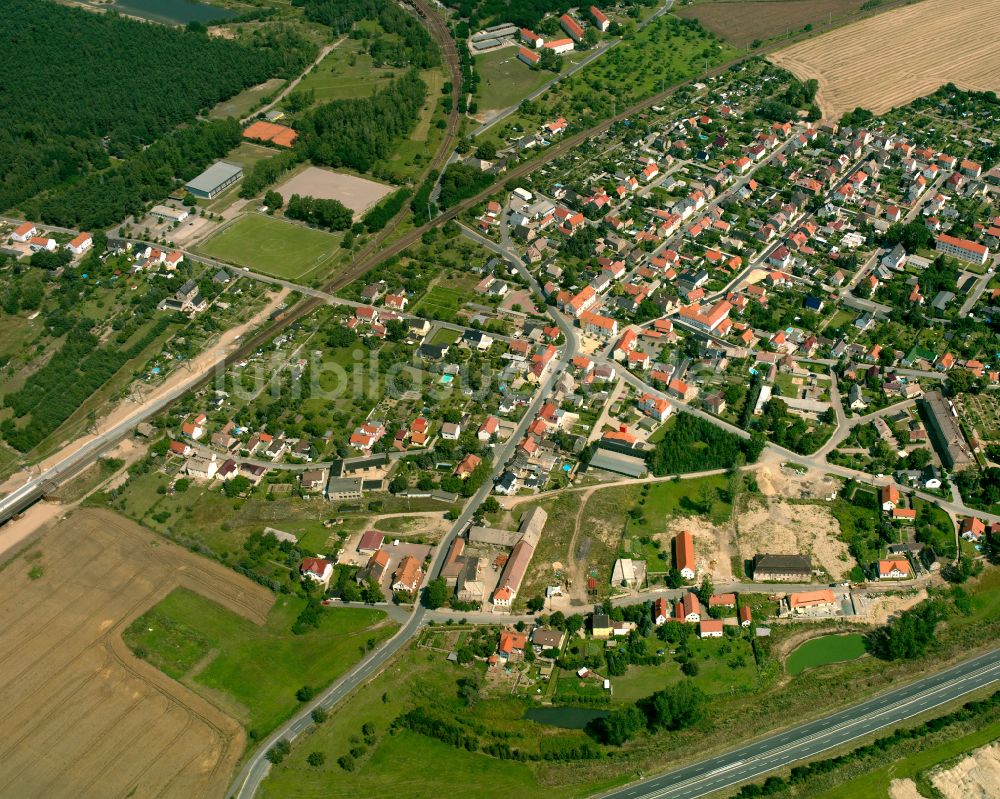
754,760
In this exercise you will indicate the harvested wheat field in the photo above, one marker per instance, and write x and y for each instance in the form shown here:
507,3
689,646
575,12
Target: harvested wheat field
81,716
743,21
888,60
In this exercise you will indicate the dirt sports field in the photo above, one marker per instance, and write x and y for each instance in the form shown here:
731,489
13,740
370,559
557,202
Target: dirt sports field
743,21
358,194
80,716
887,60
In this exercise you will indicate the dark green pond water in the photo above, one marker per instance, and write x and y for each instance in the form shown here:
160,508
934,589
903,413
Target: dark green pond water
569,718
169,12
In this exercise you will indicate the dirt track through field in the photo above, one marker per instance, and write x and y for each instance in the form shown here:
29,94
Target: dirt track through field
80,716
890,59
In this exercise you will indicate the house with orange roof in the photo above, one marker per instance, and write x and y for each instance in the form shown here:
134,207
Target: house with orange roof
688,609
572,27
812,601
467,466
656,407
24,232
896,569
529,57
597,325
972,529
601,22
408,575
889,497
710,628
530,38
80,244
488,429
559,46
681,390
661,612
684,558
511,643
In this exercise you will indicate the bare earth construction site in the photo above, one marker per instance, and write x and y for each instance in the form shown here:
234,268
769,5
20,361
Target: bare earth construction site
892,58
135,732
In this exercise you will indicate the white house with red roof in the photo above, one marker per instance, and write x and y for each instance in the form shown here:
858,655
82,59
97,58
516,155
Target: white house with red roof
556,127
656,407
572,27
22,233
530,38
488,429
529,57
559,46
319,570
80,244
601,22
962,249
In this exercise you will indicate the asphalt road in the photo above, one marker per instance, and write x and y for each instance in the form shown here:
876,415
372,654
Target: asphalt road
754,760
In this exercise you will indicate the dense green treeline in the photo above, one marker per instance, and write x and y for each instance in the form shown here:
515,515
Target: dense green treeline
461,181
104,198
329,214
692,444
415,46
357,133
84,87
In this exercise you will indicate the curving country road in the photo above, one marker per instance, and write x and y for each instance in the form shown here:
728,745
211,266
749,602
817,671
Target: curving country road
807,740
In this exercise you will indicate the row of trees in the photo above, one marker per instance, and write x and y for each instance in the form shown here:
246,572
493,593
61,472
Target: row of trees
62,123
329,214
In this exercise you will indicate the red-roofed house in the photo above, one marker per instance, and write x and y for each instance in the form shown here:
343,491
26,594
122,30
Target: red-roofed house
529,57
897,569
601,22
317,569
684,555
23,233
530,38
963,250
710,628
572,27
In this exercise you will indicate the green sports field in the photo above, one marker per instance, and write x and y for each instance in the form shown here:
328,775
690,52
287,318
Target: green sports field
828,649
275,247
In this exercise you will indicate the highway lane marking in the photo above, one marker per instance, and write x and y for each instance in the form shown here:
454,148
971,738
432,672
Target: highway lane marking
864,723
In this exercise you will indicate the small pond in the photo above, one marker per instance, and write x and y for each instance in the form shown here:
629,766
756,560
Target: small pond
169,12
569,718
828,649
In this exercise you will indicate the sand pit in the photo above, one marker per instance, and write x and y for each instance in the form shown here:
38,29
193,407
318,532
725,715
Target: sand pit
781,527
974,777
81,716
889,59
358,194
904,789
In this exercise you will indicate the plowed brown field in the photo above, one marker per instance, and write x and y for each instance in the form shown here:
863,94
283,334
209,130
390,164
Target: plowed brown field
890,59
80,716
